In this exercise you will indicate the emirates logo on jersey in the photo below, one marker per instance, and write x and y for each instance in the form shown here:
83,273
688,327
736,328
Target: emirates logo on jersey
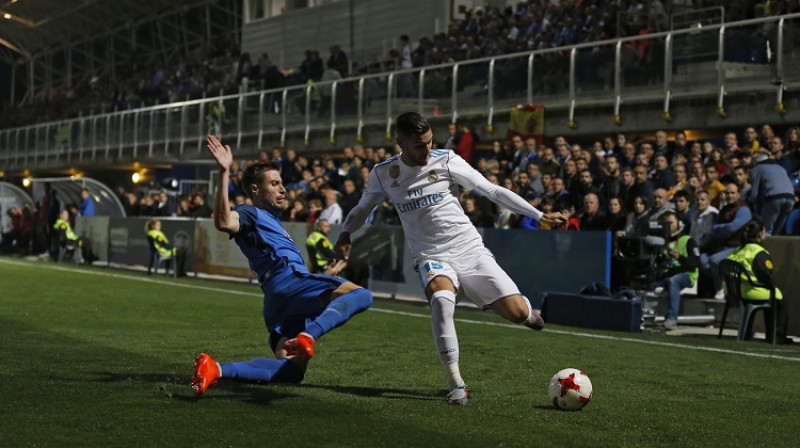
432,176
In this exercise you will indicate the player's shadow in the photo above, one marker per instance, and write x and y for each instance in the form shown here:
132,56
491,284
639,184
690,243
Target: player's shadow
545,407
176,387
114,377
376,392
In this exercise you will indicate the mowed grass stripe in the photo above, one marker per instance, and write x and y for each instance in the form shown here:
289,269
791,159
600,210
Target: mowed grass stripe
188,284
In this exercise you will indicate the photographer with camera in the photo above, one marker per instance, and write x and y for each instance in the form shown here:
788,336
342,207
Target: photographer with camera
679,269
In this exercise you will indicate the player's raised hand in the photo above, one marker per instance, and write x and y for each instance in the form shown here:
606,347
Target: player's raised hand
222,154
343,246
553,218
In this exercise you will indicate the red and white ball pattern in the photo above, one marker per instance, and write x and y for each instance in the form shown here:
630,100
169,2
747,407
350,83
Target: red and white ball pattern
570,390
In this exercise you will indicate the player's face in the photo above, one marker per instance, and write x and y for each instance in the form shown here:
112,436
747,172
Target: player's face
416,148
270,194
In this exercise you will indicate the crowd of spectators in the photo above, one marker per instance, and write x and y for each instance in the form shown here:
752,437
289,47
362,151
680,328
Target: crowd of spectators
618,183
485,31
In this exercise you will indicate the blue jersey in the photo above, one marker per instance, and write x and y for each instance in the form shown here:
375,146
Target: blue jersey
291,294
265,243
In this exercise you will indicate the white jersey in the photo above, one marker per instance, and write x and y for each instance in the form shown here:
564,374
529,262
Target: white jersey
426,200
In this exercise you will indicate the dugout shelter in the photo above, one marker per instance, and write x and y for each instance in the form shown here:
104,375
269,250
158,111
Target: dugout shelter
68,191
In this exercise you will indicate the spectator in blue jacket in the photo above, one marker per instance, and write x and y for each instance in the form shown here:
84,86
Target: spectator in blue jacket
87,205
771,192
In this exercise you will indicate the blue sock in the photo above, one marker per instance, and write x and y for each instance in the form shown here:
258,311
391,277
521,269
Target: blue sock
340,311
264,370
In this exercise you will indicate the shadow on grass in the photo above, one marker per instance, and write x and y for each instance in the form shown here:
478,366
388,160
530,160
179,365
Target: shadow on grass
112,377
380,392
544,407
257,393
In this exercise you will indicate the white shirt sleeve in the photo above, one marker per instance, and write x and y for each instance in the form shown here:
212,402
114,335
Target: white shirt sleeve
468,177
371,197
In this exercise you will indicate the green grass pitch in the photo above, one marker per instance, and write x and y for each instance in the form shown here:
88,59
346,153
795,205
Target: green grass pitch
94,357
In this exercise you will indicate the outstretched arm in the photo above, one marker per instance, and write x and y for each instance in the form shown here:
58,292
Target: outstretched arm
225,220
468,177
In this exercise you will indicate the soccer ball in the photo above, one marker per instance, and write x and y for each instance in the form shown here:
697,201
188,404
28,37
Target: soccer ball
570,390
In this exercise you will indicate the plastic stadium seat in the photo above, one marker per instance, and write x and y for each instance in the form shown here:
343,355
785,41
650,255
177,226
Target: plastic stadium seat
733,273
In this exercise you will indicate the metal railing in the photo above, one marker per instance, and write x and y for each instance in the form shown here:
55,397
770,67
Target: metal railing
750,56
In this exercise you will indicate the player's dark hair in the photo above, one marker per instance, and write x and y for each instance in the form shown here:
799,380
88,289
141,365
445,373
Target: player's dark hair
252,174
412,123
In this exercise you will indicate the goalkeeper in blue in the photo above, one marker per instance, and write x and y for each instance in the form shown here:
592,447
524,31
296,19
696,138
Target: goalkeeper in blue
299,307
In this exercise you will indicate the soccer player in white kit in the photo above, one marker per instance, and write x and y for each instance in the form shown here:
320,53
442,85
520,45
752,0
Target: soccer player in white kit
448,251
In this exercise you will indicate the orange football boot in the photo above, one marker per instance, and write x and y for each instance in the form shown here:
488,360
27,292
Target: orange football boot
302,345
206,373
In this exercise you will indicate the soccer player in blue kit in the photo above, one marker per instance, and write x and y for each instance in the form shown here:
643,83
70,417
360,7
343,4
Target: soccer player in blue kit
299,307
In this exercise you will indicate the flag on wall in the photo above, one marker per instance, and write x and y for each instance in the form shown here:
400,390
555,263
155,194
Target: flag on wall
526,121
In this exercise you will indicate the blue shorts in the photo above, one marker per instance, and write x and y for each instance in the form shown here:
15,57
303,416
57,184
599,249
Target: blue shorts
293,300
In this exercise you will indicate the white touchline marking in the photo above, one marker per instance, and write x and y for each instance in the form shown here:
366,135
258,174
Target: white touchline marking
128,277
406,313
603,336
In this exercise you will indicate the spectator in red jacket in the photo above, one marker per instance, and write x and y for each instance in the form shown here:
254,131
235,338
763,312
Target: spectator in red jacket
466,144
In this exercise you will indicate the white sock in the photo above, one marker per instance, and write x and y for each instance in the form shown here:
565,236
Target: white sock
530,318
443,305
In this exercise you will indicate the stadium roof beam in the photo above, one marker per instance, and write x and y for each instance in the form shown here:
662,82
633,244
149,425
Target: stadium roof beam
64,41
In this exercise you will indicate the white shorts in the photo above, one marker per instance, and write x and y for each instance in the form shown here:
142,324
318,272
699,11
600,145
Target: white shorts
480,277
